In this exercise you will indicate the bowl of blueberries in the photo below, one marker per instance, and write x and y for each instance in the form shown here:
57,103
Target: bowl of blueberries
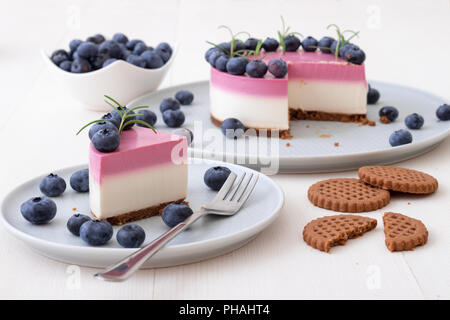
121,67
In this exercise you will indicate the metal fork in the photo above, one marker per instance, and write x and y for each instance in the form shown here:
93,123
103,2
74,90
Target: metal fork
227,202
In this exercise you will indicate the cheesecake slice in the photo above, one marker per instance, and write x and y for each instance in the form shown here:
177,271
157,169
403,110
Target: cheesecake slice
147,172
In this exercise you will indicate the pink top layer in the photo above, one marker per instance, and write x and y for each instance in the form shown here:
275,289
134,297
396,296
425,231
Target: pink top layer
301,66
243,84
319,66
139,148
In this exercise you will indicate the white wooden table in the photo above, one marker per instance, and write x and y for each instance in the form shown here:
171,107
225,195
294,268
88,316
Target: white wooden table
406,42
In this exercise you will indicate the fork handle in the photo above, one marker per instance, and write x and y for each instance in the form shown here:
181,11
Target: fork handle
123,269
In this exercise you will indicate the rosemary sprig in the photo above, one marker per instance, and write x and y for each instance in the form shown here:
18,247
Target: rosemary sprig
234,38
284,33
342,41
255,53
124,114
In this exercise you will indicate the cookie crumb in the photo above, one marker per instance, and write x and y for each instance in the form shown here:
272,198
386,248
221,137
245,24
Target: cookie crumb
325,136
74,209
336,144
384,120
307,125
409,203
288,144
372,123
364,121
286,135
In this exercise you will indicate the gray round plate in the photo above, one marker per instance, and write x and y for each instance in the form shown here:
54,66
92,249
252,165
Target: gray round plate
312,148
209,237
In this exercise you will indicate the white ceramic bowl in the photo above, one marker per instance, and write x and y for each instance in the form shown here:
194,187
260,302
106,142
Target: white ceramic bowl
120,80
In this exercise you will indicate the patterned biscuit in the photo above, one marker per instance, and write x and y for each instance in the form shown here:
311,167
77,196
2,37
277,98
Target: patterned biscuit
398,179
402,232
347,195
326,232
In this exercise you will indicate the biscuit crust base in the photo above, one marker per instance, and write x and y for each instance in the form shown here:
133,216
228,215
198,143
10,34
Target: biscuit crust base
138,214
298,114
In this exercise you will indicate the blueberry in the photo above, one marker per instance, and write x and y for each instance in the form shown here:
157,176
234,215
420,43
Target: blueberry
130,236
147,116
132,43
91,39
52,185
232,128
152,59
443,112
73,45
212,58
136,60
184,97
38,210
80,65
270,45
125,52
355,55
169,103
66,65
373,95
106,140
215,177
251,43
99,61
277,67
209,51
173,118
114,117
164,46
87,50
99,126
184,132
237,65
256,69
390,113
163,53
414,121
221,63
292,43
175,213
334,46
121,112
139,48
59,56
345,48
120,38
75,222
79,180
309,44
96,232
97,39
238,46
225,46
110,48
324,44
108,62
400,137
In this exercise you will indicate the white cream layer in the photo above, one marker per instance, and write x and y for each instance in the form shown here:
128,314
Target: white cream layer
136,190
252,111
331,97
